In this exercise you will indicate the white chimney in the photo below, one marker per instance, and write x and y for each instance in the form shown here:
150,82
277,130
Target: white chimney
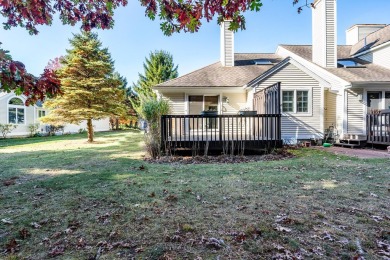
227,45
360,31
325,33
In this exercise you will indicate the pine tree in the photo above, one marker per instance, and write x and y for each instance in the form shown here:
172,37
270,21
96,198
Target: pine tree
158,68
90,89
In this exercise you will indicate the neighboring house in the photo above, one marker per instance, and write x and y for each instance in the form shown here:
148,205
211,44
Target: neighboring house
322,86
13,111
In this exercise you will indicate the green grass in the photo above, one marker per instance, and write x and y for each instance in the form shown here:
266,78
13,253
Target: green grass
102,197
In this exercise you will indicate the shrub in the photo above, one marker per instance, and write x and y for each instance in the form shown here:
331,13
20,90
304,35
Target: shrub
53,129
6,129
152,110
33,128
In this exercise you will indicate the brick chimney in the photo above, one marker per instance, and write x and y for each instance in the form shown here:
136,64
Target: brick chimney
324,28
227,45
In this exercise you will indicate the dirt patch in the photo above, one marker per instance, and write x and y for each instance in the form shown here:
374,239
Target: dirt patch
358,153
221,159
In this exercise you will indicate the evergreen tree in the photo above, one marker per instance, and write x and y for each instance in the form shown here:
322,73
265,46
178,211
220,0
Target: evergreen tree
90,89
158,68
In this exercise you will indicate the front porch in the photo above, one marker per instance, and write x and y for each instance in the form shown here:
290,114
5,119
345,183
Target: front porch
378,128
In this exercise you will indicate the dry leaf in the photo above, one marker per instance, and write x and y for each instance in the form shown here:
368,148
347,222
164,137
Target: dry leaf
282,229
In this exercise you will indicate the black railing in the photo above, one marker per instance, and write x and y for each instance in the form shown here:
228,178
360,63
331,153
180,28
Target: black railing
378,128
222,132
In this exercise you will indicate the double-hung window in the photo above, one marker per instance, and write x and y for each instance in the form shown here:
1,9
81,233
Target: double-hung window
296,101
16,111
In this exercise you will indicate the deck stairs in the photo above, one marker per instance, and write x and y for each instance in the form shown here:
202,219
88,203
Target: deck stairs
352,141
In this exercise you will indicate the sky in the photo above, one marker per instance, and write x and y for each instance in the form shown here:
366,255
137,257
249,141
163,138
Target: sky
134,36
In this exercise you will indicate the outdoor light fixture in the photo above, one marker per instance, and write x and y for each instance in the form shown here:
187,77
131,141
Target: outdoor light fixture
360,97
225,99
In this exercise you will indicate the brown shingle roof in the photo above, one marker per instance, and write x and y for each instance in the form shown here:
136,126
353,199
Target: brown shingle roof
372,40
369,72
215,75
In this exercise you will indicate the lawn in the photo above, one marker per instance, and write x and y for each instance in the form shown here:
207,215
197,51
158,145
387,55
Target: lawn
62,197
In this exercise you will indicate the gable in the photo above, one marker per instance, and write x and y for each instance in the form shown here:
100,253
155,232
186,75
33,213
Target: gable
290,76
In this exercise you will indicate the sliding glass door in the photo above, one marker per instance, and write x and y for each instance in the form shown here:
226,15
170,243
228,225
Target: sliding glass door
199,103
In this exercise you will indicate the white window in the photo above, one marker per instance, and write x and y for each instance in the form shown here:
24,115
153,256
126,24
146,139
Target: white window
16,111
41,113
296,101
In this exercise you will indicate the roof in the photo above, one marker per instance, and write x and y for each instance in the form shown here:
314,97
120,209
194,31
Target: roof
366,25
372,40
368,73
216,75
3,94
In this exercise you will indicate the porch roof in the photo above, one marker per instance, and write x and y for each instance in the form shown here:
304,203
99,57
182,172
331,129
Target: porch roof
369,73
216,75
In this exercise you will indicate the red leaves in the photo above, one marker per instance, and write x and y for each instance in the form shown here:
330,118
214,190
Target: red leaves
92,14
14,77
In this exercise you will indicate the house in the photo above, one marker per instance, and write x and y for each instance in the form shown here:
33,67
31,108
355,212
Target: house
14,111
324,87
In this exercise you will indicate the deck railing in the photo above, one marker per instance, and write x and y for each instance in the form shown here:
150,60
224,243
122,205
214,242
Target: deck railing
378,128
221,132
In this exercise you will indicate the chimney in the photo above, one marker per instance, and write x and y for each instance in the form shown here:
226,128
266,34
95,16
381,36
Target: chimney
359,32
325,33
227,45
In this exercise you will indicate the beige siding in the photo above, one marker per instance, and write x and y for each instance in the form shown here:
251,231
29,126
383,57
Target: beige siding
330,109
296,125
355,112
339,113
177,103
237,102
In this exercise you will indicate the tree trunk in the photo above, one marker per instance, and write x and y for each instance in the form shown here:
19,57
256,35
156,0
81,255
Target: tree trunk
117,123
90,130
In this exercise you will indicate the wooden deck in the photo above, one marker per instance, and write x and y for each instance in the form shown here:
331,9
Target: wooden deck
222,133
378,128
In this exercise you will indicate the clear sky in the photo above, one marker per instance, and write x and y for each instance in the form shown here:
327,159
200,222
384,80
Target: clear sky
135,36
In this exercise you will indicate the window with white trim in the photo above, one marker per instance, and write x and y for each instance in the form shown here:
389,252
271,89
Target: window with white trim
296,101
16,111
41,113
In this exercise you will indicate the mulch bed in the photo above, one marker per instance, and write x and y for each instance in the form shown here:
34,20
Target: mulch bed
221,159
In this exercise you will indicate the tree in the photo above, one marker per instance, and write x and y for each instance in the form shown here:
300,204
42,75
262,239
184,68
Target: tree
158,68
14,77
176,16
90,90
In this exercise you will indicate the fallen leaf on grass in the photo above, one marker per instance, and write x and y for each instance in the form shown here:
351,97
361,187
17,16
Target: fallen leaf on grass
24,233
171,198
152,195
12,246
35,225
377,218
328,237
142,167
9,182
373,195
282,229
213,243
7,221
57,251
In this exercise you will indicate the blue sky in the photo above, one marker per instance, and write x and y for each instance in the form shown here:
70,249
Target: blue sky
135,36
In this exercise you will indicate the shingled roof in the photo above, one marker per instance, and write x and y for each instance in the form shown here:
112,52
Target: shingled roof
215,75
368,73
372,40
